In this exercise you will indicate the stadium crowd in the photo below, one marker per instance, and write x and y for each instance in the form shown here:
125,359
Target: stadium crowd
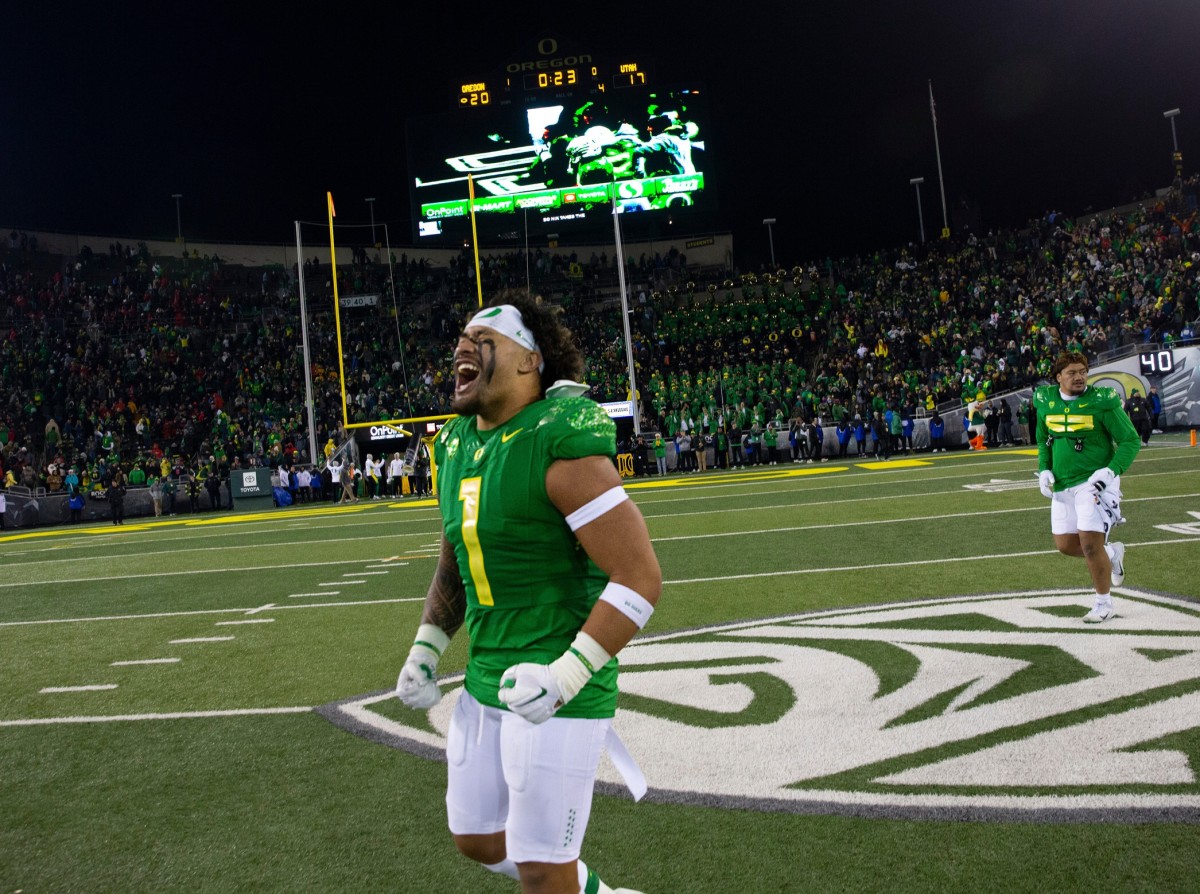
183,369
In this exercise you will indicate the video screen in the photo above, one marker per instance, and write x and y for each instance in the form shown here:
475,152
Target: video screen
555,166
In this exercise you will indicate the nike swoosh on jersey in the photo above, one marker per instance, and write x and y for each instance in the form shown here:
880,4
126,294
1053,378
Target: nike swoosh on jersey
509,435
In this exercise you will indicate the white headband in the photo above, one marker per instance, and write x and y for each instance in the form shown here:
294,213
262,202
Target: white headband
507,320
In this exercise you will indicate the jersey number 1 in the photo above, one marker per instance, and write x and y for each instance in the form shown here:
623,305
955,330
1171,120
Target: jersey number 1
469,492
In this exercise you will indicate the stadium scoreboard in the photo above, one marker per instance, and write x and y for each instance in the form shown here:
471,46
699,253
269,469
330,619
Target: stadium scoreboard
531,82
551,141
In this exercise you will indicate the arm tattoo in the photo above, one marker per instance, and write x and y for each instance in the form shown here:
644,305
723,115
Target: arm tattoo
446,601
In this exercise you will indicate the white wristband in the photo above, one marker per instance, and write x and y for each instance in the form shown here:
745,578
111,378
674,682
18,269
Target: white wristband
592,655
575,667
433,637
593,509
628,602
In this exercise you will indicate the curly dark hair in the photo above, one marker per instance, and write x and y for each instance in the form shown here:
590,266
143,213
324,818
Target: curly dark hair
560,353
1066,358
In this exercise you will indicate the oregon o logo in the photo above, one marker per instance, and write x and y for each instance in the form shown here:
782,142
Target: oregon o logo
547,46
996,707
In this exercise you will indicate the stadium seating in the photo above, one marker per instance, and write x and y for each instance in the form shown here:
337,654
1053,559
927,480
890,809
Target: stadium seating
135,357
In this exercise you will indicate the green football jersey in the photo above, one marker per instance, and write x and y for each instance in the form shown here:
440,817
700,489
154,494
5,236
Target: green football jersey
1077,437
529,583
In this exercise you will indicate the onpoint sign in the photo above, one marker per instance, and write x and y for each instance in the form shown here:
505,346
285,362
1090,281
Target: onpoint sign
386,432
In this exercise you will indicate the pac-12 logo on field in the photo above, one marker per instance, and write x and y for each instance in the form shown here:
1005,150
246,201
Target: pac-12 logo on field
991,707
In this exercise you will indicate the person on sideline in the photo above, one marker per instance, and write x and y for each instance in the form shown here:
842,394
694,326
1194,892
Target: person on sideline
1085,443
349,484
156,495
1137,408
395,475
116,496
546,608
336,470
937,431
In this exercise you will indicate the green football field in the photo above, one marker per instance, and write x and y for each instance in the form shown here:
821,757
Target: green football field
860,677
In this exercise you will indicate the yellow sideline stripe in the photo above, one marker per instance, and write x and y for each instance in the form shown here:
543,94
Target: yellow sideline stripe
775,475
778,474
236,518
304,510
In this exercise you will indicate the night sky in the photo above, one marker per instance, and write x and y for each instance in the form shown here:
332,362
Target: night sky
821,111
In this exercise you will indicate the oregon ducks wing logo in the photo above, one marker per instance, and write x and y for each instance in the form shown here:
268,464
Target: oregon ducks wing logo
1002,706
1066,423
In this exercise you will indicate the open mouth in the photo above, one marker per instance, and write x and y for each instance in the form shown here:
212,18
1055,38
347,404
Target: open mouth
465,375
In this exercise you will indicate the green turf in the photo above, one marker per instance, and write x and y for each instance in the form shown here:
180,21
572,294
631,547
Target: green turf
289,802
1046,667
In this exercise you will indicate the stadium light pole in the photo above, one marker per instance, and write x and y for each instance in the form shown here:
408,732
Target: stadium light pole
633,389
937,147
770,222
309,404
387,238
371,204
178,217
528,285
916,184
1176,156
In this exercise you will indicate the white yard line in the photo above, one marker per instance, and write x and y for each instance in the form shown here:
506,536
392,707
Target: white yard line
192,534
202,639
281,567
886,521
909,564
173,715
1020,465
251,621
958,491
854,524
817,483
208,611
303,595
778,573
145,661
711,490
99,687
